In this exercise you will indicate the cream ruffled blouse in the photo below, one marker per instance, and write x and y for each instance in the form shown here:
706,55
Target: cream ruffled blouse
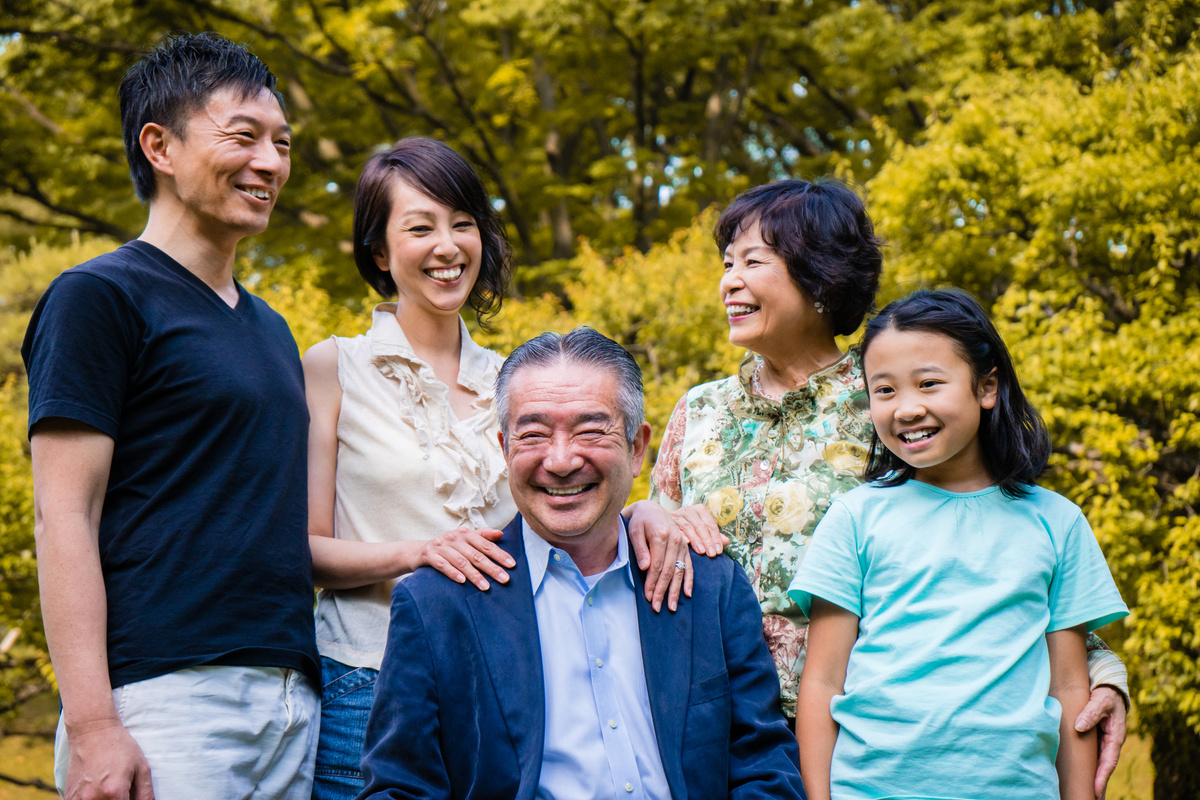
407,468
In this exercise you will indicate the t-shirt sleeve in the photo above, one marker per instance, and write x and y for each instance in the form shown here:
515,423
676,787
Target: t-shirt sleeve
831,568
666,477
78,352
1082,591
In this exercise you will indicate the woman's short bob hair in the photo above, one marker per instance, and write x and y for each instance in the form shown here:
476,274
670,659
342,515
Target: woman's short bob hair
442,175
822,231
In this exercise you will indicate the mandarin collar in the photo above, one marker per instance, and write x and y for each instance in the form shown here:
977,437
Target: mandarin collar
752,405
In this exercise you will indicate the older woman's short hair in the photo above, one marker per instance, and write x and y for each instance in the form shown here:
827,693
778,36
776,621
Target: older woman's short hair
821,230
443,175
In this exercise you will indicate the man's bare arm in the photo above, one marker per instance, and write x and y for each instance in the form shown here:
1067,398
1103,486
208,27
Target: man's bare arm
71,463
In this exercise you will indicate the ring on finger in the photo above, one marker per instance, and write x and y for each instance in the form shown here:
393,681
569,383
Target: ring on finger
681,566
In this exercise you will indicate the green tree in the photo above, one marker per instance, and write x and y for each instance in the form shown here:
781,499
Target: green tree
613,121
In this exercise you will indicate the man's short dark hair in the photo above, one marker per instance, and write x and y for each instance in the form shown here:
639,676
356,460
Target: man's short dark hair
585,346
176,79
821,230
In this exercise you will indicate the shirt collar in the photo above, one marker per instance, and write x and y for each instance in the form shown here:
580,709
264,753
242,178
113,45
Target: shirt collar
539,551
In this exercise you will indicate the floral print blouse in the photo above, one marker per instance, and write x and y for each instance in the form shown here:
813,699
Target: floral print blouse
768,470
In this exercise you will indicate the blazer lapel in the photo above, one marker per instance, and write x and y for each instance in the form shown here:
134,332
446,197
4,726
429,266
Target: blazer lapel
667,658
506,627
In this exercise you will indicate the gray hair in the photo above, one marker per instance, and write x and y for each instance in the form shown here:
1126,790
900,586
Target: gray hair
585,346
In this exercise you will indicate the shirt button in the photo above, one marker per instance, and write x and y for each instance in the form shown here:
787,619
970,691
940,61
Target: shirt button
771,434
557,557
765,464
589,599
629,787
612,723
599,662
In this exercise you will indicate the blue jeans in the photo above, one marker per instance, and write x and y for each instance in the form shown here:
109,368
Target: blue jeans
346,696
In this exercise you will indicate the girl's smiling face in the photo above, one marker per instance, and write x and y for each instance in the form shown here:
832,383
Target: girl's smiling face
926,406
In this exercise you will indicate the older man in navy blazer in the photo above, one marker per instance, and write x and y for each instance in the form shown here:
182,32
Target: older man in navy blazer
564,683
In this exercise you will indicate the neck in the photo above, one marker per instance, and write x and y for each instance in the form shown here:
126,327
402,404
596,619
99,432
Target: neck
435,340
209,260
784,371
593,551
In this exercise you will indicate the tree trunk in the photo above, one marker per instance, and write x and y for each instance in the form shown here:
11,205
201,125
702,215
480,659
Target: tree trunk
1175,751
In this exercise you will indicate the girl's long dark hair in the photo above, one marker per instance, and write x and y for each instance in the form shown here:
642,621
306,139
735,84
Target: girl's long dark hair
1012,436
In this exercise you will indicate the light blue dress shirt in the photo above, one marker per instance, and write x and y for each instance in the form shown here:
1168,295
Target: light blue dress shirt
600,740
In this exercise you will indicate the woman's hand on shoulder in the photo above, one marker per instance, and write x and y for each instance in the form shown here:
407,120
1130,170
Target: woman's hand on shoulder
662,540
464,554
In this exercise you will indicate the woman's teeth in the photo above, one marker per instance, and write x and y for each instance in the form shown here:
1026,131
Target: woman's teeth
737,311
448,274
917,436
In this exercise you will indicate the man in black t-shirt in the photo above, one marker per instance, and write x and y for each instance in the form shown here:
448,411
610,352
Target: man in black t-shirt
169,429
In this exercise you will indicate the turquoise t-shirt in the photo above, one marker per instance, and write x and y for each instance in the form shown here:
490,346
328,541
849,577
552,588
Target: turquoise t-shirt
946,691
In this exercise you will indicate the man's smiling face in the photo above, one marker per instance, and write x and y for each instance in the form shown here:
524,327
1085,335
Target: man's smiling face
230,163
570,466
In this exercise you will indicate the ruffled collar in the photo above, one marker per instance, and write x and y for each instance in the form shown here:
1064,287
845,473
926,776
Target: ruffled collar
845,372
463,455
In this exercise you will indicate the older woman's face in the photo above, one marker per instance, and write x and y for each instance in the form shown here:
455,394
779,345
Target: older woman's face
767,311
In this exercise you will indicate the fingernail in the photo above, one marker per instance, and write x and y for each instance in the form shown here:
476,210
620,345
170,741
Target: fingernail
483,585
657,606
510,563
671,605
503,577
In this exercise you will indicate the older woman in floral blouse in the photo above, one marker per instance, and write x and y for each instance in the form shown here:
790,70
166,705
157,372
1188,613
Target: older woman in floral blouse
768,449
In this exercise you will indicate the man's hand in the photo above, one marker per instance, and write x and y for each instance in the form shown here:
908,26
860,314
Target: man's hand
663,539
1106,713
106,764
467,555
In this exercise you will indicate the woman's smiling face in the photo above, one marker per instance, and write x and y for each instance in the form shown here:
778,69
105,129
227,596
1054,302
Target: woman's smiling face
432,251
767,311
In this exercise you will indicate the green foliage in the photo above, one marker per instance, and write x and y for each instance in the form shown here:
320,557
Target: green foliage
618,122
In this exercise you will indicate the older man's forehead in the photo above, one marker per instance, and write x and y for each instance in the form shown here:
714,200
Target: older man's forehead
580,418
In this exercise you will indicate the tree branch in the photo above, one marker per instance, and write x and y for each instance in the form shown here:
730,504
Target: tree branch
63,37
35,783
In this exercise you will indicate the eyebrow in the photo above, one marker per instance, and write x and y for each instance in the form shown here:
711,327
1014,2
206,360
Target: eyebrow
245,119
934,369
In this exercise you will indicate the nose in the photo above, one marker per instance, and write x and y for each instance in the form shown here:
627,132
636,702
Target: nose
731,280
909,408
269,160
446,247
561,458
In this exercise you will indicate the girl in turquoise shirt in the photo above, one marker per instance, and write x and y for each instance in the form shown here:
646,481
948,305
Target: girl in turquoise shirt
950,597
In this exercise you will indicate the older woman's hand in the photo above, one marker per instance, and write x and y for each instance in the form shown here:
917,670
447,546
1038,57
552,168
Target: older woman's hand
464,555
1106,713
664,539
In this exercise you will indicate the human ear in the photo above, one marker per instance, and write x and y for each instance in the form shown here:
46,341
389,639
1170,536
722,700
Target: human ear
989,387
641,440
381,259
154,140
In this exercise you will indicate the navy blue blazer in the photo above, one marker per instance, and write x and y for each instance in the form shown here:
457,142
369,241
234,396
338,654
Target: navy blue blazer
460,706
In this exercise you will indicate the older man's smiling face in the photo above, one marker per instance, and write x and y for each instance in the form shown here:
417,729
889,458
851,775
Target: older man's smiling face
570,466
